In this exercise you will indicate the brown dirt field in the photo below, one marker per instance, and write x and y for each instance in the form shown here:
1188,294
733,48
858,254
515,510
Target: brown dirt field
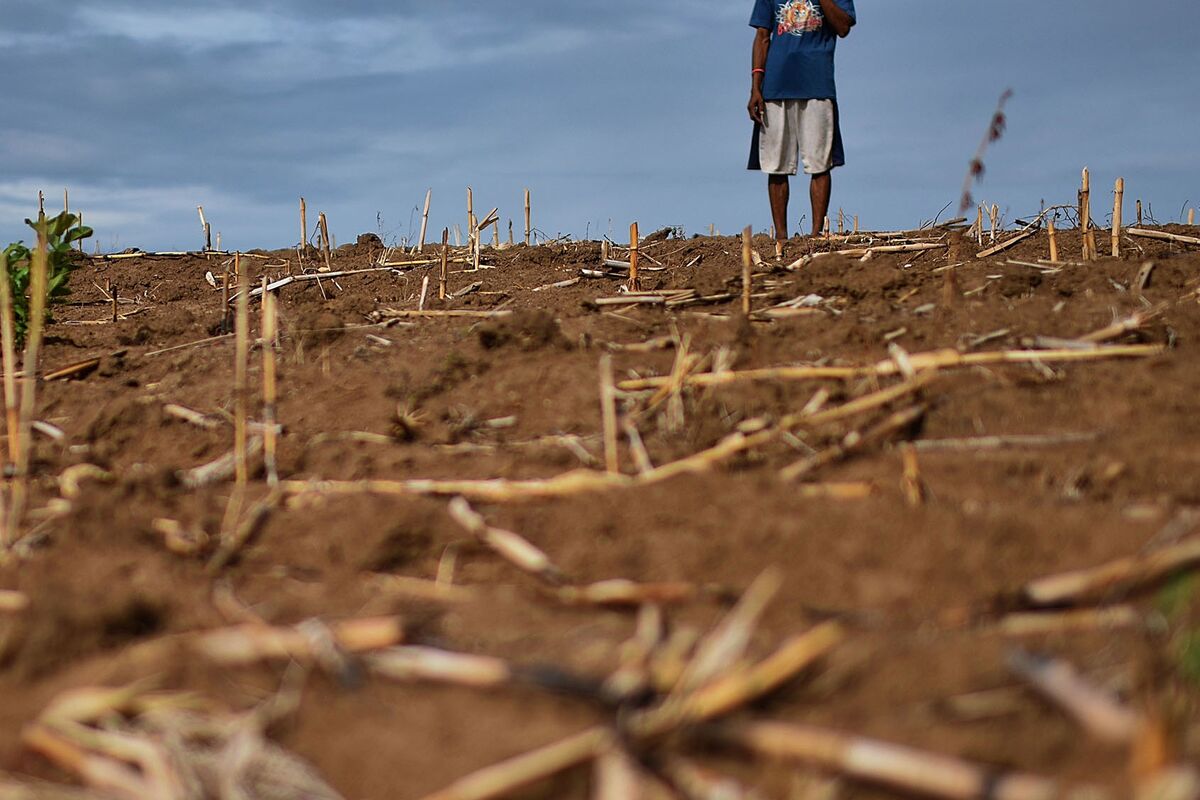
918,587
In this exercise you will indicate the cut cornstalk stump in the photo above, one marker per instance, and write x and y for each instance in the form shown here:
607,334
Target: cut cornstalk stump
1118,205
747,267
326,245
634,284
424,221
444,264
528,219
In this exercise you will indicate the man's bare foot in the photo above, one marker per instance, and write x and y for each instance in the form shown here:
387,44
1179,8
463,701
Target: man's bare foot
778,249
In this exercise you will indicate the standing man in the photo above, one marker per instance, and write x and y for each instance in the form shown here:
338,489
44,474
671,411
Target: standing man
793,100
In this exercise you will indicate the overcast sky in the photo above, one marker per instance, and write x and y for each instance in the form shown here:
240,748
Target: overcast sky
609,111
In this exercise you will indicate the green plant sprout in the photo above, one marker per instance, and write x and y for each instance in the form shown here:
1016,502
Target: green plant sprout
61,233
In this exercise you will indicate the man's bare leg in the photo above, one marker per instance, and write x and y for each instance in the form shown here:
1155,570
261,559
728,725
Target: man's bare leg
819,191
780,189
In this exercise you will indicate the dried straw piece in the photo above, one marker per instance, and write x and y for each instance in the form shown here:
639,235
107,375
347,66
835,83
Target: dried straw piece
856,441
13,602
621,593
1163,235
510,546
1006,244
1114,578
219,470
727,643
441,666
487,491
914,487
420,589
180,539
1096,712
1043,623
634,284
501,780
698,783
233,540
608,414
747,266
616,776
243,645
893,766
736,687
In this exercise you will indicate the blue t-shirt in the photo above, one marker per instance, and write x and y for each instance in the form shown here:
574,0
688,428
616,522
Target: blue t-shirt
800,61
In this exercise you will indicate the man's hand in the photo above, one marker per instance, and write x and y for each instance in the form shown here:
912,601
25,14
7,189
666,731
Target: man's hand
757,106
837,18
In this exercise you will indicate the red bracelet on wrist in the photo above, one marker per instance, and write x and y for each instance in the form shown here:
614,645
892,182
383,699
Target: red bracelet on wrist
756,69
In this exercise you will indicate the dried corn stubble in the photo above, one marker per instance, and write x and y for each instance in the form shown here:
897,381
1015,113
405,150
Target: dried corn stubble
243,645
440,666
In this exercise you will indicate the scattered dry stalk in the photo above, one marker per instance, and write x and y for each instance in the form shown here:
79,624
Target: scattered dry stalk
881,763
1164,236
1053,241
326,248
914,487
252,643
440,666
1114,578
445,262
634,284
510,546
303,226
1096,711
528,219
424,221
501,780
747,266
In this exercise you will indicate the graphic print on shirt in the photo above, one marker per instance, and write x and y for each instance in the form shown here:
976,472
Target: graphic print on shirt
798,17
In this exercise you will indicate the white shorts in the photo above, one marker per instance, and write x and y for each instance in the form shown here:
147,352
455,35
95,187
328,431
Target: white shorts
795,131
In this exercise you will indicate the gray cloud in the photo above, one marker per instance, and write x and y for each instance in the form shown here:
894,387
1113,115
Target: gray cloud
608,112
